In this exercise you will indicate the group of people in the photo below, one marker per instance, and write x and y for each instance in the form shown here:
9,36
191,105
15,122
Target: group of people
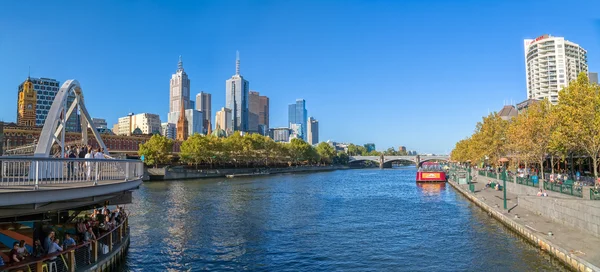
83,169
87,228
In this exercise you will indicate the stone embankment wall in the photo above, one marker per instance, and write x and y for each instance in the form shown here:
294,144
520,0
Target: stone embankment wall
574,262
578,213
166,173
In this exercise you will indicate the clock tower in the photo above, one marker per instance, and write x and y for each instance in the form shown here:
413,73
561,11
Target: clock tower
26,104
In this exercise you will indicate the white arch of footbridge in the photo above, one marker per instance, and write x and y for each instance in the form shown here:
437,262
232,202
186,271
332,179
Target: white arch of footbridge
55,125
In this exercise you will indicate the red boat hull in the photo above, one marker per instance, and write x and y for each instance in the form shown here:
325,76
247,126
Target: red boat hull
431,176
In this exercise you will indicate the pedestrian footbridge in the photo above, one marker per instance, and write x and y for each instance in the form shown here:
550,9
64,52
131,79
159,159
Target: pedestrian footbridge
34,185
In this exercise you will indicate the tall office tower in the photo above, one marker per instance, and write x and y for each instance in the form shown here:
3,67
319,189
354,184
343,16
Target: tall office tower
258,117
550,64
179,91
223,120
312,131
27,100
236,96
297,115
203,104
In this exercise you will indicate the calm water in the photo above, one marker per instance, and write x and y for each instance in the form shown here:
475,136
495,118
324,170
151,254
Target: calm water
354,220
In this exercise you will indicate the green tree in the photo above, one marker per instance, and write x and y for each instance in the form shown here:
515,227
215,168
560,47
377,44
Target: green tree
579,116
192,149
157,150
341,158
326,152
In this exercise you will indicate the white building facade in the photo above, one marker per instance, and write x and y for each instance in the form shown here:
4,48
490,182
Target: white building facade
312,131
224,120
148,123
550,64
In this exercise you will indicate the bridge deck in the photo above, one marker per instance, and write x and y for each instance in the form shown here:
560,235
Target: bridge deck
57,186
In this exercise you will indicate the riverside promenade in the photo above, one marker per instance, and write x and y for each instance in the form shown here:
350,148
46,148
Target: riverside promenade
578,250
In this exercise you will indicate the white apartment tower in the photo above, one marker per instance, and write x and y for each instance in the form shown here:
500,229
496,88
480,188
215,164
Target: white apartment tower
180,89
550,63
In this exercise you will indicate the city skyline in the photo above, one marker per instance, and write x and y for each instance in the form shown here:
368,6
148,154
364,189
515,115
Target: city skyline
131,70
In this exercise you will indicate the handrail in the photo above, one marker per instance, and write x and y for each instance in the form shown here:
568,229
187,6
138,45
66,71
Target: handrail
34,171
70,250
20,158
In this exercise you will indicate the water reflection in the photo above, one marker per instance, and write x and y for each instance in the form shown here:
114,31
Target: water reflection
352,220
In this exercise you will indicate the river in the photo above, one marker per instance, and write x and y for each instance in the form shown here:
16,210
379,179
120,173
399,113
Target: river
351,220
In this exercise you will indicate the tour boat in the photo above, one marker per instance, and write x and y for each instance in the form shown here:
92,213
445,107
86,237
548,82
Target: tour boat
431,172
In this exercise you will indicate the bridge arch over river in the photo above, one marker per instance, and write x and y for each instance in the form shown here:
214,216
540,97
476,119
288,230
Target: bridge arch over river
383,160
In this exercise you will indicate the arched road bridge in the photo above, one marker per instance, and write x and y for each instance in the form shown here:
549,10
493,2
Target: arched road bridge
383,160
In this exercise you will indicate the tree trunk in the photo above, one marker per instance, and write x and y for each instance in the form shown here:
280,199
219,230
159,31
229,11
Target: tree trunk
552,165
541,176
595,162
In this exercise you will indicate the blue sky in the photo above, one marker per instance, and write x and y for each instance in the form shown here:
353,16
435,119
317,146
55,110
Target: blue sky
413,73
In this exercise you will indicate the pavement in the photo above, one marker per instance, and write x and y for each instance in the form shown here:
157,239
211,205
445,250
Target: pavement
577,242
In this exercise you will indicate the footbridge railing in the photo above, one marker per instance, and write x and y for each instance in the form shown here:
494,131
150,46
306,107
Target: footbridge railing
38,171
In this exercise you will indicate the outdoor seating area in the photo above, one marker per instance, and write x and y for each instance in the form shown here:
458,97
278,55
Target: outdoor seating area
84,240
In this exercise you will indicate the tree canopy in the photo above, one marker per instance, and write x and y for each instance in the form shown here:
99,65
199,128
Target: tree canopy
541,131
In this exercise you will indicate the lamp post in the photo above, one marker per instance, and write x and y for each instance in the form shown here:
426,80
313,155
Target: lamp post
504,185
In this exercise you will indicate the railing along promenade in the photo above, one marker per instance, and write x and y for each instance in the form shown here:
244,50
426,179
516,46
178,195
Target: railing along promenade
36,171
83,256
567,186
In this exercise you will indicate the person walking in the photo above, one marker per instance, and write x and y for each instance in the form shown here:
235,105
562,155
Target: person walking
88,164
99,155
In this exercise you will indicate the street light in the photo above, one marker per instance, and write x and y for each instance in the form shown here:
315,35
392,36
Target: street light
504,185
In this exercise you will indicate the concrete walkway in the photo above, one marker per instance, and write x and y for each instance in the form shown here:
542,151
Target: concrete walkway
576,242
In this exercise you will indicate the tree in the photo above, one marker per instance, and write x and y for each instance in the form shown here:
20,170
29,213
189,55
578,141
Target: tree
157,150
326,152
530,134
341,158
579,116
490,138
300,151
192,149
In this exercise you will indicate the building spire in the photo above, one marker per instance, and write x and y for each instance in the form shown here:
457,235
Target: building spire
237,62
180,64
29,73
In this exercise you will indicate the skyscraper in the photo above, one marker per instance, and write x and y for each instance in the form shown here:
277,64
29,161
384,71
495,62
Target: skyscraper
297,115
236,96
179,91
258,116
312,131
204,104
253,110
263,115
550,64
26,104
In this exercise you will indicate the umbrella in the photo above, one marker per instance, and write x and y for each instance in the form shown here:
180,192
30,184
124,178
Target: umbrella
503,160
